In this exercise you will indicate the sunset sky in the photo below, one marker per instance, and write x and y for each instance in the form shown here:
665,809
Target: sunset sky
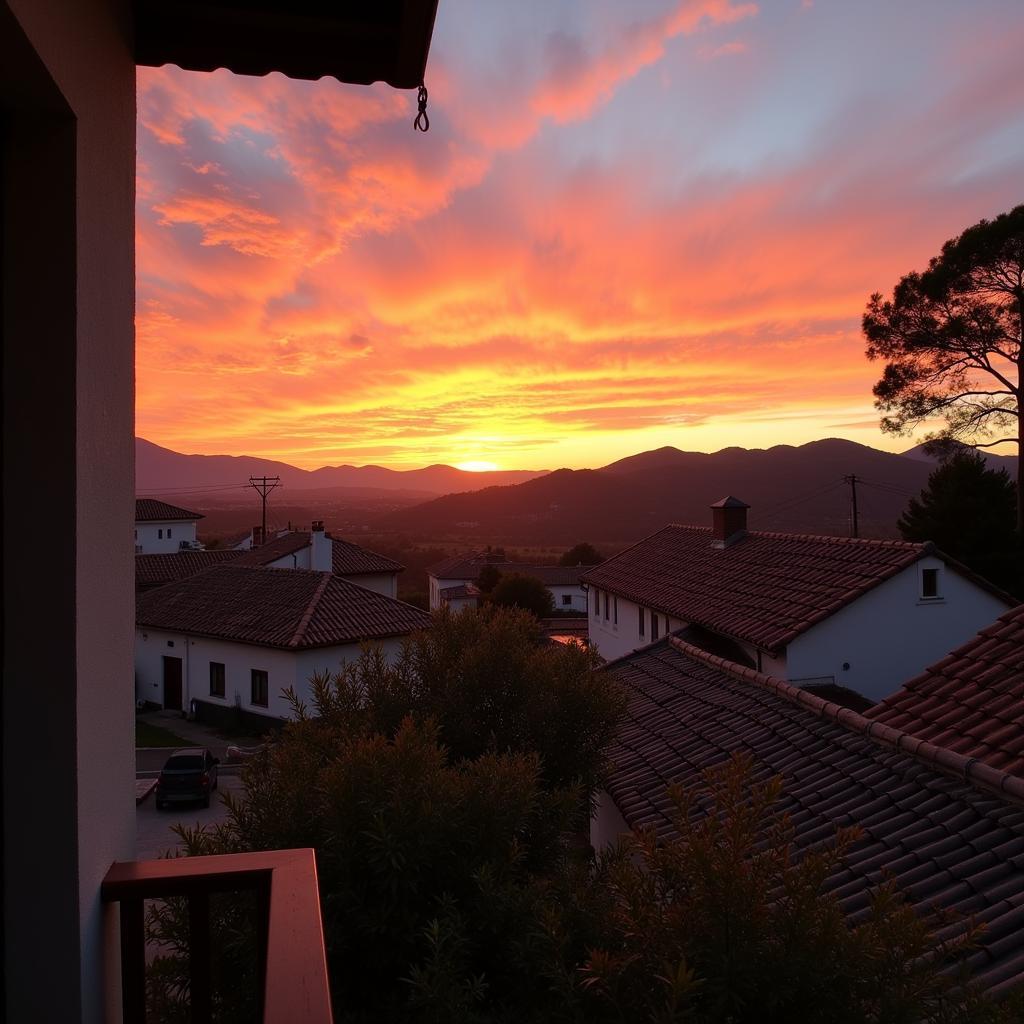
630,225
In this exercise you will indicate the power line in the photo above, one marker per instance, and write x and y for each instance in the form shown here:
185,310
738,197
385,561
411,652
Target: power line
775,510
263,485
191,490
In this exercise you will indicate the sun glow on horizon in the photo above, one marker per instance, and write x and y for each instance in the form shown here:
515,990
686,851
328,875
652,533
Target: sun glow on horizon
579,261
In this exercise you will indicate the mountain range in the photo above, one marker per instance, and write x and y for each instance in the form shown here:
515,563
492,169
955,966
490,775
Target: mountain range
162,470
793,489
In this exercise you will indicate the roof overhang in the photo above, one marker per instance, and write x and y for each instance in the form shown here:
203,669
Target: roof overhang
383,41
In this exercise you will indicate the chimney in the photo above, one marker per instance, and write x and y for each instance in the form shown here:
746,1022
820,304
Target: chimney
728,521
321,558
257,537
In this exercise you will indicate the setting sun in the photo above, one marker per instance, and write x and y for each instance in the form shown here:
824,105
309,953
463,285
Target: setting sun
477,466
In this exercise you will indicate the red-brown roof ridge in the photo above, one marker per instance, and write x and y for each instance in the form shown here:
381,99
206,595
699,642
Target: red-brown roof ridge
788,582
970,769
307,615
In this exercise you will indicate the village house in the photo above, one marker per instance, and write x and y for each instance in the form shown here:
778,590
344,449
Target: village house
453,581
232,638
970,702
946,827
319,551
161,528
862,615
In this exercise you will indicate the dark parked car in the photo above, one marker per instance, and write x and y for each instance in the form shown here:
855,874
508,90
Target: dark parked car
189,774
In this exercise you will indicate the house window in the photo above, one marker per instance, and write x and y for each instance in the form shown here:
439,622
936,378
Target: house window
643,615
260,687
567,599
216,679
597,603
607,605
160,534
615,606
654,625
168,533
930,583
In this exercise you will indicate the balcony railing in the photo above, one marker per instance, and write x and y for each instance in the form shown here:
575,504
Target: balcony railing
290,939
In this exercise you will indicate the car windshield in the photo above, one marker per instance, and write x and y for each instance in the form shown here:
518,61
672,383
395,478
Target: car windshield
184,762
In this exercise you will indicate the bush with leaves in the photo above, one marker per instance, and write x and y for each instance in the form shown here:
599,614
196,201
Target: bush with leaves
729,923
582,554
444,795
520,590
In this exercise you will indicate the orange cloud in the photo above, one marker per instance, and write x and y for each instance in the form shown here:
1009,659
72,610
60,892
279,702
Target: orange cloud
561,270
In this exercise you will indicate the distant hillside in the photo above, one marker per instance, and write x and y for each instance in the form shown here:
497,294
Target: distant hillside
160,469
1007,462
789,489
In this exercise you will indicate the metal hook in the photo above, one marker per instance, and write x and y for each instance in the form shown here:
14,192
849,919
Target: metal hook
422,122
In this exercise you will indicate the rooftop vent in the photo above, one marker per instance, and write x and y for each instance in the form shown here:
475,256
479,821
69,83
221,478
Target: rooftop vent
728,521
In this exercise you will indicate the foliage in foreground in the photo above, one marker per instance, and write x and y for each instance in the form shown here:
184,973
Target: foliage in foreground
520,590
444,798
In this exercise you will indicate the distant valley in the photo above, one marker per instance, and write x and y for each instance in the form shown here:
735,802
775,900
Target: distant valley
794,489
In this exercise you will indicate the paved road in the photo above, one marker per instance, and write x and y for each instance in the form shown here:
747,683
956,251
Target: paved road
153,835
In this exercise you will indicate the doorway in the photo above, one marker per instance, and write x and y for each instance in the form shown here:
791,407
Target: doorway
172,683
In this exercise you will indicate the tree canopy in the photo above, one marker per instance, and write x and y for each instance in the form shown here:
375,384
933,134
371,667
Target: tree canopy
582,554
519,590
950,338
445,795
970,512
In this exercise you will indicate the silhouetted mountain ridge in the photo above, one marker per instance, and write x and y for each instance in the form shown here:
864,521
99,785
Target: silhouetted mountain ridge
795,489
160,469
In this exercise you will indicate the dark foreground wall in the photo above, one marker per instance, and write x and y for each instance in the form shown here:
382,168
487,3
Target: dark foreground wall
67,111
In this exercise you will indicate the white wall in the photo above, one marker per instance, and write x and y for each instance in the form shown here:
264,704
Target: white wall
385,583
576,594
284,668
891,634
612,638
297,560
163,538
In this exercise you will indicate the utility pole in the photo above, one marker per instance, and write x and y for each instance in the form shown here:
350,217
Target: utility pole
263,485
852,481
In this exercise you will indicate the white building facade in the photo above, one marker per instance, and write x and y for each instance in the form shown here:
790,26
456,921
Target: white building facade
233,680
870,640
161,529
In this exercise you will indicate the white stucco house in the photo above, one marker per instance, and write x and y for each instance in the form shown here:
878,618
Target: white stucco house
861,614
319,551
161,528
451,579
232,638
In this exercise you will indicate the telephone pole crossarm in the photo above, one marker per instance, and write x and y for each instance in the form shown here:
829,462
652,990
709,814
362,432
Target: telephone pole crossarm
263,485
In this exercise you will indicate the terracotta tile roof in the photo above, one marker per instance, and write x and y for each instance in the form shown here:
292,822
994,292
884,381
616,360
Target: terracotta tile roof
348,559
274,549
949,830
766,589
352,560
156,570
972,701
467,567
289,608
149,510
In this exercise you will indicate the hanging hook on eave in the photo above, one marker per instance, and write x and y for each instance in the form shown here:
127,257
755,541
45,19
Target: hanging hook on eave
422,122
